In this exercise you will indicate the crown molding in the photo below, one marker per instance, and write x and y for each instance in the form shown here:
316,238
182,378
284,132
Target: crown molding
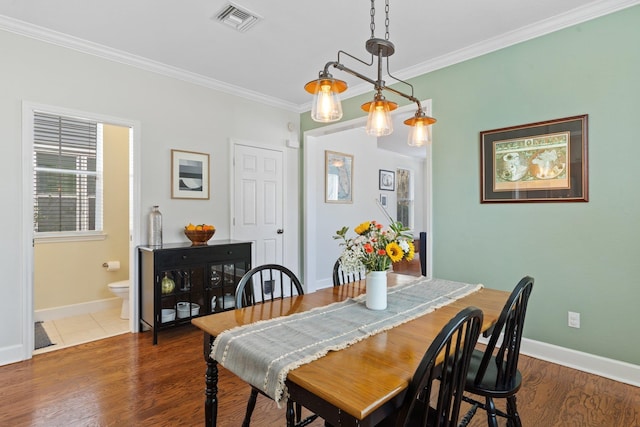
538,29
95,49
558,22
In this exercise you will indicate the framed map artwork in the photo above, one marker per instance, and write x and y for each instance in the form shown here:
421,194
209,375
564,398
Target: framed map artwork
338,177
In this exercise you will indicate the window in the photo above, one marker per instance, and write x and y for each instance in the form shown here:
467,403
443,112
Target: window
67,178
405,197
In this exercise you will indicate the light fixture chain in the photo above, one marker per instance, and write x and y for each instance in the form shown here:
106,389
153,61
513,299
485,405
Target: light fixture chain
386,20
373,18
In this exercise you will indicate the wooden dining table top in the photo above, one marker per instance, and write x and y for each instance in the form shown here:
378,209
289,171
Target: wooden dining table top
365,375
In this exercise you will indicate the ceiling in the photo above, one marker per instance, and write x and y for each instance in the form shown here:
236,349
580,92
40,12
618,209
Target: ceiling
293,40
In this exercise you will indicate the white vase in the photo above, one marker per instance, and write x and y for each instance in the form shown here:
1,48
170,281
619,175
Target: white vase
377,290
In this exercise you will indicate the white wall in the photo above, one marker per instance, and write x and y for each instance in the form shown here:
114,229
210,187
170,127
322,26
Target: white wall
172,114
322,220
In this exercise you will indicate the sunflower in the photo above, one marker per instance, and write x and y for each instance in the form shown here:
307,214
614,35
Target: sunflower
394,251
412,252
363,228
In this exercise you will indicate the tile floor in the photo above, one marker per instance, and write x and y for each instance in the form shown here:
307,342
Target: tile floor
76,330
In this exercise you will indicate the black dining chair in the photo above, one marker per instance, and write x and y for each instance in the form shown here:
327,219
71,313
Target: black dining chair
340,277
264,283
434,394
494,374
422,252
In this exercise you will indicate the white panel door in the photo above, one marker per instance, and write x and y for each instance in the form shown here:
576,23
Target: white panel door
258,182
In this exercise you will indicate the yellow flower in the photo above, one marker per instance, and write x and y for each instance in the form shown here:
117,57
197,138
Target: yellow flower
374,248
362,228
412,251
394,251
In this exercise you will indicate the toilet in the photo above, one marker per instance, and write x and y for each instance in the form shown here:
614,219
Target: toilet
121,289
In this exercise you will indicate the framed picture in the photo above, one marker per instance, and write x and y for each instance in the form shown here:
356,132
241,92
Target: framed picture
387,180
189,175
537,162
383,200
338,169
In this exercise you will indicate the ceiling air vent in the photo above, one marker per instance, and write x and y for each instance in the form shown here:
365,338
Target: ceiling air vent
237,17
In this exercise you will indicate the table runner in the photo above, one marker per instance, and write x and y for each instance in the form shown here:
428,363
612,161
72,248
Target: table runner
262,353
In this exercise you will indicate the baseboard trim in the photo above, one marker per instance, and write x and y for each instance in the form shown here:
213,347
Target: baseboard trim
55,313
616,370
12,354
609,368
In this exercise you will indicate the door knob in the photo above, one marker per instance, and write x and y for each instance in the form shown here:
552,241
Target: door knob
280,231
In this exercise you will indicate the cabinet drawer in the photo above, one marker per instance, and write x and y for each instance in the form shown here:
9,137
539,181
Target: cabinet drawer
230,252
205,254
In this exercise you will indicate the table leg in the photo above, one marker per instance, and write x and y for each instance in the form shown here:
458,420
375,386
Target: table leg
290,414
211,384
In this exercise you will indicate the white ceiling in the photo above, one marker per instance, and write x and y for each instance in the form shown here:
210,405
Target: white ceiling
273,60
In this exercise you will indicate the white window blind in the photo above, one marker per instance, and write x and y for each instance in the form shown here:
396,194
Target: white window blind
67,174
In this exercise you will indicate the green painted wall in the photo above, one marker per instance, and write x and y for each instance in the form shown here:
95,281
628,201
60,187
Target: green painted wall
584,256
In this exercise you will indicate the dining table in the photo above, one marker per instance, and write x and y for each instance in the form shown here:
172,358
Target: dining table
366,381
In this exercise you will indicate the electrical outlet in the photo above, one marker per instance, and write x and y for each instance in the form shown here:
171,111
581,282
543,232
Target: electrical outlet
268,286
574,320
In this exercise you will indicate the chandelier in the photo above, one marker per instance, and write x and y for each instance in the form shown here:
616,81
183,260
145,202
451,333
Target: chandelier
326,106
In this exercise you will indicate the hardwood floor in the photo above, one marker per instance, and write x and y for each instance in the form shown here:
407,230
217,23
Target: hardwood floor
554,396
126,381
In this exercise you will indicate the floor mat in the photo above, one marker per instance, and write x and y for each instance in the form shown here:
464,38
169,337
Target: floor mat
41,338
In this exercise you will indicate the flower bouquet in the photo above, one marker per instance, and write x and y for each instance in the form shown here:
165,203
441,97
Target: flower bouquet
375,248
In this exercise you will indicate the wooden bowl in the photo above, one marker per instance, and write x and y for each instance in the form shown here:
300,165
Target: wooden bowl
199,237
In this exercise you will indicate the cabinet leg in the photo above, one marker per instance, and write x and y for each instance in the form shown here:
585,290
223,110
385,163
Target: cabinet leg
211,384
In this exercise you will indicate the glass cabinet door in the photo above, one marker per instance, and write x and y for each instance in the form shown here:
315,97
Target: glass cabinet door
182,294
224,278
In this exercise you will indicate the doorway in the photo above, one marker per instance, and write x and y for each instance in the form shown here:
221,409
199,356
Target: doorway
128,236
321,220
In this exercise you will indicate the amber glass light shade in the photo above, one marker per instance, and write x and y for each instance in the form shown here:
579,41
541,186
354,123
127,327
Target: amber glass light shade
419,133
326,106
379,122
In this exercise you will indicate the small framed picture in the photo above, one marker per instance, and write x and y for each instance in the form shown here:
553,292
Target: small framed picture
383,200
189,175
387,180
